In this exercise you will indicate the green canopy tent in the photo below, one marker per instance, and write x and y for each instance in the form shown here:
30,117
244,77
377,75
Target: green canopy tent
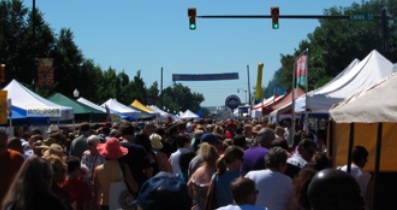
82,112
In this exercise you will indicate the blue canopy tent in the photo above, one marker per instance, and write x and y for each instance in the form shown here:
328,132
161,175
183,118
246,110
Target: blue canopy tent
19,117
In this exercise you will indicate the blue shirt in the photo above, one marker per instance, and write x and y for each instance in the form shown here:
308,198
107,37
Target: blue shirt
222,188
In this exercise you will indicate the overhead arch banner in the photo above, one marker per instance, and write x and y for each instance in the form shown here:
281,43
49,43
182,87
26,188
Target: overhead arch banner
204,77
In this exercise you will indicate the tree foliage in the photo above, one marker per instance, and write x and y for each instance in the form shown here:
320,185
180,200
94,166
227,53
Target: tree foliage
20,46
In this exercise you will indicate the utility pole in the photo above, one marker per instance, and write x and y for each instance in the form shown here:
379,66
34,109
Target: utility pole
34,41
161,88
249,84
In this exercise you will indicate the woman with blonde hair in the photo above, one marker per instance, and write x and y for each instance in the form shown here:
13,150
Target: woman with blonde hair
199,181
32,186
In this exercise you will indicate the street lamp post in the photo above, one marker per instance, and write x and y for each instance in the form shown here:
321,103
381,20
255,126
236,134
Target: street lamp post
76,93
238,91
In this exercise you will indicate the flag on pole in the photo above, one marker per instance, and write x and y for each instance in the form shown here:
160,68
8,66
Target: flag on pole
301,71
259,82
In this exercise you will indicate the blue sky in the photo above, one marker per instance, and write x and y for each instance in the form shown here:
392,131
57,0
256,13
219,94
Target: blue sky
146,35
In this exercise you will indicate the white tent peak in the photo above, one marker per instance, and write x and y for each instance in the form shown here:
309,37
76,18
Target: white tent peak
372,69
120,108
188,115
91,104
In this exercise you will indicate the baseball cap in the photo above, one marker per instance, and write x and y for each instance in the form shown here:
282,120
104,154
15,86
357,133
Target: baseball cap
210,138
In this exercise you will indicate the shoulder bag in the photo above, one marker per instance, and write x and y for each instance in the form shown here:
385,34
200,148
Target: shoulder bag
119,195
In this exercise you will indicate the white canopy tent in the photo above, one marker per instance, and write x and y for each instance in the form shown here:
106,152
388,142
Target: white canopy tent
35,105
163,114
122,109
355,78
188,115
91,104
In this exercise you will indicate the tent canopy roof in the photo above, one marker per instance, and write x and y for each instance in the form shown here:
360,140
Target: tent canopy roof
79,108
138,105
24,98
375,104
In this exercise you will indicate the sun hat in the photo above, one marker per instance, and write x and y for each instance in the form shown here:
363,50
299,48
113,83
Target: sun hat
112,149
162,192
218,131
256,128
155,140
54,149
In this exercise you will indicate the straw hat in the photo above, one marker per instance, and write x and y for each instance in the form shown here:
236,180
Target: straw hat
218,131
112,149
54,149
256,128
155,139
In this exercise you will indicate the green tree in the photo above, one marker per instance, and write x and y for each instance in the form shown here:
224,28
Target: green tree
335,43
180,98
68,60
153,93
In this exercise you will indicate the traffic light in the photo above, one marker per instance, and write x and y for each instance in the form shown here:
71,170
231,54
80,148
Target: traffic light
275,11
191,12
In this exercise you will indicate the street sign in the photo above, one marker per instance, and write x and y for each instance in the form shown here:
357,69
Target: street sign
232,102
361,17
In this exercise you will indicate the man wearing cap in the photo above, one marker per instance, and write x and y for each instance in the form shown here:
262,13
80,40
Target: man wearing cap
230,130
254,156
79,144
163,192
197,161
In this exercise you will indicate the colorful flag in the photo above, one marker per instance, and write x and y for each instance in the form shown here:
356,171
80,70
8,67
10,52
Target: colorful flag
301,71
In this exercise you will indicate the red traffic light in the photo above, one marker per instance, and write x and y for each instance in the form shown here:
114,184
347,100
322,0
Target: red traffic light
191,12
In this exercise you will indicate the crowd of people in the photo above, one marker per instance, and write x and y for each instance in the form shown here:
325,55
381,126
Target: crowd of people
201,165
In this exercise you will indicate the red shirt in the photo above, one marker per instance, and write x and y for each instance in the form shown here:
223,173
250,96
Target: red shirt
79,192
10,162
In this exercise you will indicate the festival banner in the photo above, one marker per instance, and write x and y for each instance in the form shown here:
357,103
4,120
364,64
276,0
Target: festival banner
204,77
301,71
45,72
3,107
43,111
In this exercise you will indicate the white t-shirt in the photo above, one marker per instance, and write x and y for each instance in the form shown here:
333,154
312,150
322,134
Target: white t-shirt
174,160
241,207
361,176
275,189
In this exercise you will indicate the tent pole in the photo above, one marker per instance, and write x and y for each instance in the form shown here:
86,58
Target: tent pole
306,123
351,142
377,163
330,143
